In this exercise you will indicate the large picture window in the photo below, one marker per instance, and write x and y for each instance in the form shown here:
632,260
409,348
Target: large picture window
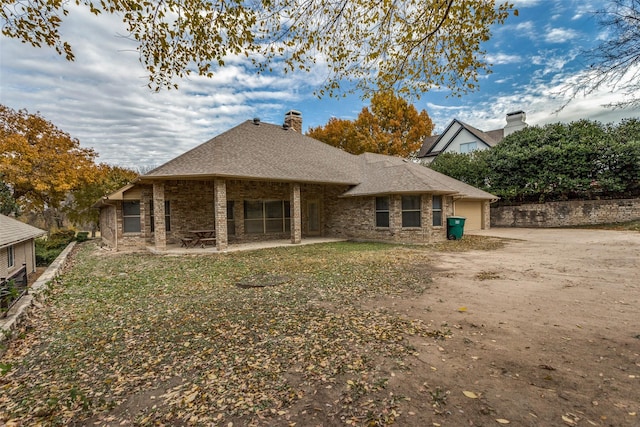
131,216
436,209
411,211
267,216
382,211
167,216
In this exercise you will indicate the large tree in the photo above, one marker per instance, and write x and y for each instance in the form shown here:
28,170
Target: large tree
412,45
615,62
40,163
559,161
105,180
390,125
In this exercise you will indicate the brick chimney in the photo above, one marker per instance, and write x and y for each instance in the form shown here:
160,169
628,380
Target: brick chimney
515,122
293,120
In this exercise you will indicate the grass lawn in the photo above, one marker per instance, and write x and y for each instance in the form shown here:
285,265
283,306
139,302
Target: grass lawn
244,338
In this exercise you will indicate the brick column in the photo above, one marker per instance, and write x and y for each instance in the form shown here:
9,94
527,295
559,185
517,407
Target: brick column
160,233
395,215
296,214
220,206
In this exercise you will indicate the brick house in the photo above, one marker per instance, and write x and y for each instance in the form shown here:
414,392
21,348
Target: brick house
17,246
260,181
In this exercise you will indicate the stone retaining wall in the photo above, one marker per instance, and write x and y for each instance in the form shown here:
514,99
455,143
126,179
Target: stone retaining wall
565,214
34,297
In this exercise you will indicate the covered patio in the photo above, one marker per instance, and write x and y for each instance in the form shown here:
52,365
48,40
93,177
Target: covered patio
176,249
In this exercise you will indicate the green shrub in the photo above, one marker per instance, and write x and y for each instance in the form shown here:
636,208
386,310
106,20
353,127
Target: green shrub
82,236
48,249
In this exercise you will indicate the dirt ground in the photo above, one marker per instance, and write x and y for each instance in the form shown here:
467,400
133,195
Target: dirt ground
544,332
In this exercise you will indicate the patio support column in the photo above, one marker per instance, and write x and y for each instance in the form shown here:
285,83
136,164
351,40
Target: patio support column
220,203
296,214
160,231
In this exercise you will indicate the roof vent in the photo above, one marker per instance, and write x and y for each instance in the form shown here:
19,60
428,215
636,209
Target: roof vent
285,126
256,121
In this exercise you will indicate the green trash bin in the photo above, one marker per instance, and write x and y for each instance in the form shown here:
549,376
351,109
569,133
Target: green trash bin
455,227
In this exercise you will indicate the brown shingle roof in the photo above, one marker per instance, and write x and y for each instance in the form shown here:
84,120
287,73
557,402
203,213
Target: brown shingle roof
263,151
268,152
13,231
393,175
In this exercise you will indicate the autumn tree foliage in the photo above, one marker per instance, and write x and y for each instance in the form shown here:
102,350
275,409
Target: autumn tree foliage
106,179
390,125
40,163
411,45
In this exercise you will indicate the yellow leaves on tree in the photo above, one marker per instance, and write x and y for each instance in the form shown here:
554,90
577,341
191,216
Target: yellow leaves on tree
390,125
39,162
406,45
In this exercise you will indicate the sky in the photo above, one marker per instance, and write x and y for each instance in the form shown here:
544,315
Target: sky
102,98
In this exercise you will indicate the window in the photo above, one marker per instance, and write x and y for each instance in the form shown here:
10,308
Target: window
167,216
382,211
411,211
267,216
468,147
436,209
231,223
131,216
11,258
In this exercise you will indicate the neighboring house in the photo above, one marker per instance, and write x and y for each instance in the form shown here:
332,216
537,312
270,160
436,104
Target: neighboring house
261,181
17,246
460,137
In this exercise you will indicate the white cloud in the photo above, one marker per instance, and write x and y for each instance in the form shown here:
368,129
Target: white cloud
560,35
503,58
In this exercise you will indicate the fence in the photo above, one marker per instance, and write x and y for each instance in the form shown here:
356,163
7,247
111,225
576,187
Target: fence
12,288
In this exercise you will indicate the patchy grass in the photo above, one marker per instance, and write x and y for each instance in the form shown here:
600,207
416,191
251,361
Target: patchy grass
152,340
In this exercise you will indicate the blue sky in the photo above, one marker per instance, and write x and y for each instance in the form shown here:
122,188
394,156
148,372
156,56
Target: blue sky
102,99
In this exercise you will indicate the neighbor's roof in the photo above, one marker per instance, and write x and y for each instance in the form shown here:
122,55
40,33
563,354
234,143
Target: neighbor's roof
263,151
491,138
13,231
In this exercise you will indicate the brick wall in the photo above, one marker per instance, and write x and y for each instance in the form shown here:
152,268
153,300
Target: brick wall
192,207
564,214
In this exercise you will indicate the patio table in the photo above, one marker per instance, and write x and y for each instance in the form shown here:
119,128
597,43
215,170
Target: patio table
203,237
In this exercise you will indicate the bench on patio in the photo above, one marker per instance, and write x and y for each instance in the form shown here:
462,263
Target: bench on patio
207,240
186,242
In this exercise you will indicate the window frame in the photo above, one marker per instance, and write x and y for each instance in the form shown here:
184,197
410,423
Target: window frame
11,257
409,213
470,147
266,219
128,217
380,211
436,210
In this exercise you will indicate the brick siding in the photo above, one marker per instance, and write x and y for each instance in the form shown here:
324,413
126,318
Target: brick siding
192,207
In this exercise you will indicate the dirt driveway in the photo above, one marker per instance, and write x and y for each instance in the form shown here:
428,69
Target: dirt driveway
544,332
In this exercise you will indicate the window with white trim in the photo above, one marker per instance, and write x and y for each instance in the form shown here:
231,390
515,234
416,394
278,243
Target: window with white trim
468,147
11,257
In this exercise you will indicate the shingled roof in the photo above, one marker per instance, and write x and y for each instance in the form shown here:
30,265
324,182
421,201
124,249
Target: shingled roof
262,151
491,138
259,150
13,231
